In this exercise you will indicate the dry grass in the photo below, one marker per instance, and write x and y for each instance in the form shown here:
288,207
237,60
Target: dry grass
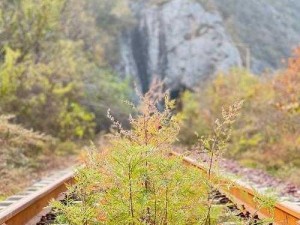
14,180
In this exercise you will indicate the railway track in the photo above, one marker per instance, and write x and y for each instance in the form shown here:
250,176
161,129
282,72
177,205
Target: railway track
284,213
26,208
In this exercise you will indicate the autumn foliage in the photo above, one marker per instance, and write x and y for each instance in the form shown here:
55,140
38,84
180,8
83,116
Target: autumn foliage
267,133
287,85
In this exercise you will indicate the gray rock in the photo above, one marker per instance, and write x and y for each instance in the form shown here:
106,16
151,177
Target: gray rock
178,41
270,28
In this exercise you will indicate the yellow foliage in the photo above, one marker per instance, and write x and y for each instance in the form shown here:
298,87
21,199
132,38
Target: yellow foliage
269,123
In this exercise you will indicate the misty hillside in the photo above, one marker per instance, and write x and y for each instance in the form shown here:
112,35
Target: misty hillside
270,28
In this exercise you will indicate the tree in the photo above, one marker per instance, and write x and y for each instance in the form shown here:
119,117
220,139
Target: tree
52,55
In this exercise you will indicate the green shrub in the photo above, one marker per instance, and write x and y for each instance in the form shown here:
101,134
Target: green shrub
66,148
134,181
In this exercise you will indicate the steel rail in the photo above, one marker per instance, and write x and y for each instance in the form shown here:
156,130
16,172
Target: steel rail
20,209
36,198
284,213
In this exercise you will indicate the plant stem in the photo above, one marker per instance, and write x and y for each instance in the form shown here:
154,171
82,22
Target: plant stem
147,183
207,220
130,191
155,204
166,206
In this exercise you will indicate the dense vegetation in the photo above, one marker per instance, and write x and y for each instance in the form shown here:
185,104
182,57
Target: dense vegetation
55,64
133,180
56,76
19,150
267,133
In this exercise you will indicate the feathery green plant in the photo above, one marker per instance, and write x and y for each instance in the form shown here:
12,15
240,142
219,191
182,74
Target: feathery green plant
137,182
134,180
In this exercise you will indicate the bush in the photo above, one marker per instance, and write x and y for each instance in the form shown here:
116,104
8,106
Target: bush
267,132
19,147
134,181
66,148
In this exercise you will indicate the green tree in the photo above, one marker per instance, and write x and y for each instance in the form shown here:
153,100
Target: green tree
52,55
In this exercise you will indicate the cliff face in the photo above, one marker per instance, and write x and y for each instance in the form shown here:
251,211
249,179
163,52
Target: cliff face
186,41
269,28
178,41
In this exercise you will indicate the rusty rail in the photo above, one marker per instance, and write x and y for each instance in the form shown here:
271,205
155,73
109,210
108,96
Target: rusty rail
29,204
284,213
21,209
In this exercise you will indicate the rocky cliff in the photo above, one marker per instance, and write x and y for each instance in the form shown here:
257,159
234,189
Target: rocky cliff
178,41
269,28
186,41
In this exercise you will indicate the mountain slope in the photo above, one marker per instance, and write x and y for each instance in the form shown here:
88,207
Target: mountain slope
270,28
179,41
185,41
